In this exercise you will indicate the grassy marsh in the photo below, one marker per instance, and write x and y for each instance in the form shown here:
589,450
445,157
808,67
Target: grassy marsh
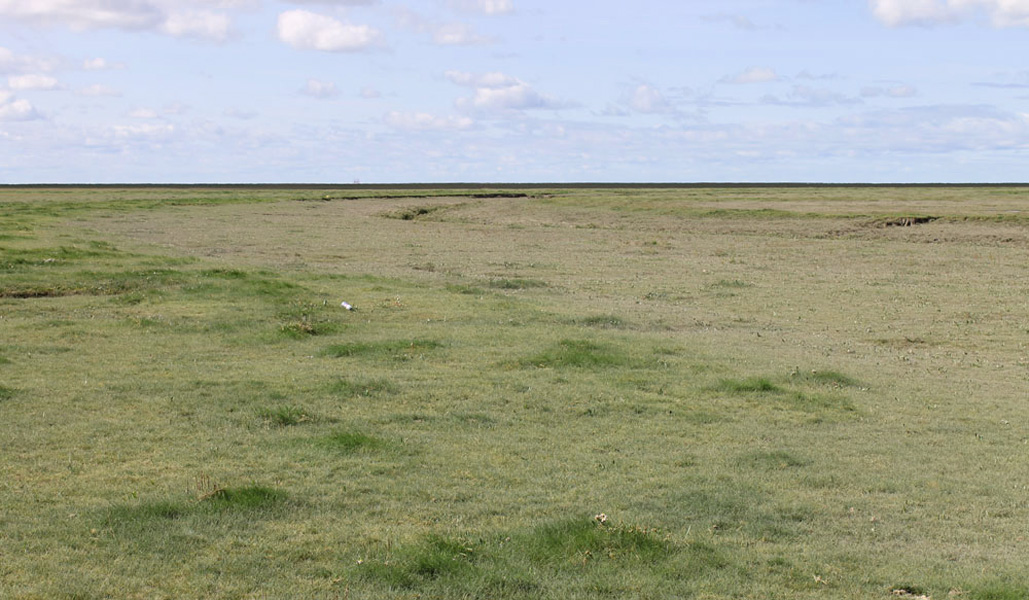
566,393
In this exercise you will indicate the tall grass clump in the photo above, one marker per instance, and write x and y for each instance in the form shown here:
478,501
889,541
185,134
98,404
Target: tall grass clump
579,354
285,415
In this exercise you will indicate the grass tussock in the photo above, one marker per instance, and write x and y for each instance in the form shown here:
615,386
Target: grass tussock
749,385
391,348
346,388
144,516
829,378
286,415
468,290
517,283
583,354
602,322
6,393
416,213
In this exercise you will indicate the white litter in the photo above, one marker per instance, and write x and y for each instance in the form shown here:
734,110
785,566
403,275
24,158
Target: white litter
345,305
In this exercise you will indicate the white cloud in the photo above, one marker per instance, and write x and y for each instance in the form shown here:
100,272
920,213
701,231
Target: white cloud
647,99
98,90
306,30
499,92
14,63
515,97
85,14
319,89
16,110
420,121
1002,13
486,7
177,18
753,75
370,93
197,24
32,82
143,113
457,34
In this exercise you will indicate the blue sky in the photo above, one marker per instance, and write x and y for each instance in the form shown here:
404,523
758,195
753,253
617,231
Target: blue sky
251,91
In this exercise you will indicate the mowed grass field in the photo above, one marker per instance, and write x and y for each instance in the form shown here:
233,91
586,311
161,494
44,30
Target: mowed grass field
770,392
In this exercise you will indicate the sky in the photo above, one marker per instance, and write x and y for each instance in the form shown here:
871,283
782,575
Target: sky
398,91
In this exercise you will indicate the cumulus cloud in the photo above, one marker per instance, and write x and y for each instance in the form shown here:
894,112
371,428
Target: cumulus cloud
753,75
647,99
319,89
306,30
499,92
420,121
12,109
197,24
32,82
1002,13
516,97
370,93
486,7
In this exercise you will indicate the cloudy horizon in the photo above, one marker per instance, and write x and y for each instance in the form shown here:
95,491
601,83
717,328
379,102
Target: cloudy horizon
299,91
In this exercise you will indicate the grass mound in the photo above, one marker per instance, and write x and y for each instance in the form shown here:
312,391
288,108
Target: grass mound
577,354
569,558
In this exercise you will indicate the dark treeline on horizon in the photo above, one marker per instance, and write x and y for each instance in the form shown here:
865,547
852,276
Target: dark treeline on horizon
500,186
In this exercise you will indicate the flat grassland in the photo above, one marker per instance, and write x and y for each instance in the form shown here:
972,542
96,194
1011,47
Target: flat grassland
769,392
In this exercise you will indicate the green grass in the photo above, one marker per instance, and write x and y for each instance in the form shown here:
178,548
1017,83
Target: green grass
767,394
578,354
749,385
362,388
285,415
391,348
516,284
